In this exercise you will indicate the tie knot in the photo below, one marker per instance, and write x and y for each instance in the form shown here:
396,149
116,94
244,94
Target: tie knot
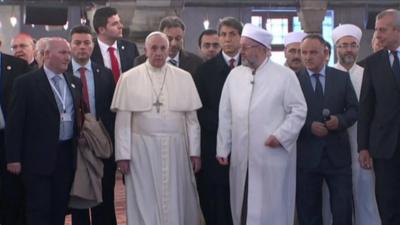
232,63
82,69
56,78
173,62
111,49
316,75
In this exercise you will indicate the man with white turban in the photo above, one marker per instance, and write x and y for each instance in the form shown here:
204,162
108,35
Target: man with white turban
257,133
347,38
292,50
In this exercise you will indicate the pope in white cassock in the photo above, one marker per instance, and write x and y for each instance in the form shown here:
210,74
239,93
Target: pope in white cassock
157,139
262,110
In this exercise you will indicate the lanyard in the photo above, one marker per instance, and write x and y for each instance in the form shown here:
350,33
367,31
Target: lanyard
62,99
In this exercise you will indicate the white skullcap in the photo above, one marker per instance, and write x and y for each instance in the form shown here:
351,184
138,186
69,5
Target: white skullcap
294,37
346,30
258,34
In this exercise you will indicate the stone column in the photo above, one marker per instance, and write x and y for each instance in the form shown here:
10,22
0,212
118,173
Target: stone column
311,14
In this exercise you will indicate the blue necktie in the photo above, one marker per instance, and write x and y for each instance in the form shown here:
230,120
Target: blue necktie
319,94
57,83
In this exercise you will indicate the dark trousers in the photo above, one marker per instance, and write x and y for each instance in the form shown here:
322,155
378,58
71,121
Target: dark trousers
214,198
12,193
309,193
103,214
387,188
48,195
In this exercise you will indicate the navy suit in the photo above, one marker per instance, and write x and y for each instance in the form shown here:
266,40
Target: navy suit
103,90
329,157
212,179
32,138
127,53
11,188
379,132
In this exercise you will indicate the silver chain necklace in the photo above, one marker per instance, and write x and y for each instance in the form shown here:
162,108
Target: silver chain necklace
157,103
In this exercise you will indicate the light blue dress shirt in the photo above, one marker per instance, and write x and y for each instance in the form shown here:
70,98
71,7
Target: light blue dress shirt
322,77
66,127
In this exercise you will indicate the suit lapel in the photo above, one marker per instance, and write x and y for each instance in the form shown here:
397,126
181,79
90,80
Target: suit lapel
329,84
387,68
96,55
122,57
308,88
45,88
183,63
97,92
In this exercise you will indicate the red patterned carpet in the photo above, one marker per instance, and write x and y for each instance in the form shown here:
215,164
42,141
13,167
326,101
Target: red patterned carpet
119,203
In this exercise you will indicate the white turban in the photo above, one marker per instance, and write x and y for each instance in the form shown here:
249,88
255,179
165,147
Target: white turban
294,37
346,30
258,34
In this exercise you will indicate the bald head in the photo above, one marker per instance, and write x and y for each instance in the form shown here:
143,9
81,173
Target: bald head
23,47
57,55
39,50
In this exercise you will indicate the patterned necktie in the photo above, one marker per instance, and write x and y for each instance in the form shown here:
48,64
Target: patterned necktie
85,90
57,84
232,63
396,65
173,62
114,64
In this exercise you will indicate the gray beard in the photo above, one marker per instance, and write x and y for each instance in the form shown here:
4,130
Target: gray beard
347,59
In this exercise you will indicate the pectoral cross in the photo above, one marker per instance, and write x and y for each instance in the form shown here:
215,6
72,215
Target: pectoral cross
157,104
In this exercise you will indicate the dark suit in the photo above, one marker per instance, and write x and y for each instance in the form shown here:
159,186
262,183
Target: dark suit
187,61
11,194
32,138
326,158
213,179
379,130
362,63
103,90
33,66
127,53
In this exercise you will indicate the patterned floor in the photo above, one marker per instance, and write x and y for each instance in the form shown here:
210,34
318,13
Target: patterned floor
119,203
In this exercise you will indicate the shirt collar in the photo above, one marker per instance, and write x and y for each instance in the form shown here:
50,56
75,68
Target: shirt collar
227,58
49,73
397,49
321,73
104,47
76,66
176,58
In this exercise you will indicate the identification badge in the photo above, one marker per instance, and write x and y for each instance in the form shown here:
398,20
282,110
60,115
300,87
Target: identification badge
66,117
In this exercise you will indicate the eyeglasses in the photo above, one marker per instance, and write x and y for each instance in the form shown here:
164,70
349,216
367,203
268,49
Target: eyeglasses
352,46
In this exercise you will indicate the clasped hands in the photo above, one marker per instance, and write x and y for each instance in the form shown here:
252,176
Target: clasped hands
322,129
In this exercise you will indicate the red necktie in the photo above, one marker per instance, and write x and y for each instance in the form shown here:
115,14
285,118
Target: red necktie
232,63
114,63
85,91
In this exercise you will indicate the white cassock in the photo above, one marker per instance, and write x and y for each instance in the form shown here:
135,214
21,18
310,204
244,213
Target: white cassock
160,185
248,114
365,206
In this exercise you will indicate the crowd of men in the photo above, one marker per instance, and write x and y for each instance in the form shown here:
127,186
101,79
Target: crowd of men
225,138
